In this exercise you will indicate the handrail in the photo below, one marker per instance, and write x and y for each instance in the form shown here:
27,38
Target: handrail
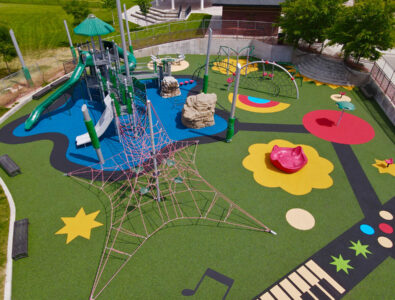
179,11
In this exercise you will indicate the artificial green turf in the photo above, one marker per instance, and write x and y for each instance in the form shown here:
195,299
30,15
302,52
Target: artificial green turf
377,285
177,256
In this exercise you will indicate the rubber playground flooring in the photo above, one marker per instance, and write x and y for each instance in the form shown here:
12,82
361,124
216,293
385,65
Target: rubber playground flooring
177,256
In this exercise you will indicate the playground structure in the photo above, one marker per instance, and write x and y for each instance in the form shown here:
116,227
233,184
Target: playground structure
229,52
259,84
156,184
159,185
289,160
155,176
166,63
226,65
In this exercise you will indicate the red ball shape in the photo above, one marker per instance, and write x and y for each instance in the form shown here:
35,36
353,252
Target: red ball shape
191,81
266,61
264,74
292,78
234,74
181,83
186,82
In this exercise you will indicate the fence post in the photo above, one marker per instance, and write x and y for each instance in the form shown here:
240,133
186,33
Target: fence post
73,54
389,82
18,51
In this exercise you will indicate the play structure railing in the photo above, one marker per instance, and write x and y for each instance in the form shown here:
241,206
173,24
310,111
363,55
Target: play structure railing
174,31
384,75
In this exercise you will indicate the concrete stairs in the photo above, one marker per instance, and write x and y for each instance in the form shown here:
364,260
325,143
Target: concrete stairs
156,16
324,69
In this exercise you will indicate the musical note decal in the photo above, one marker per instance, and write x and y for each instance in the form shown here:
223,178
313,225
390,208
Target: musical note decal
214,275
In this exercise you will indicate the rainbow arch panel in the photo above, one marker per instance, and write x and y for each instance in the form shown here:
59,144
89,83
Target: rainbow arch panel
258,105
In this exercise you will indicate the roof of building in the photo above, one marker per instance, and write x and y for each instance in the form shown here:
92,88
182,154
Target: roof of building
247,2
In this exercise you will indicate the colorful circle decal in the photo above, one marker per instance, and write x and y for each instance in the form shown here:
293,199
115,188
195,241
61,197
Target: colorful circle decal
367,229
351,130
339,97
300,219
386,215
385,242
386,228
257,105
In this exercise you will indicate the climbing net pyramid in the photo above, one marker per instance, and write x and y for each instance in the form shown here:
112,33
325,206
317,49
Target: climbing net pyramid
138,211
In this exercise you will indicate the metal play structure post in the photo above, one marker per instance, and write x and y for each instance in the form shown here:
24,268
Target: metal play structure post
127,28
125,50
205,78
70,42
18,51
92,133
153,149
231,121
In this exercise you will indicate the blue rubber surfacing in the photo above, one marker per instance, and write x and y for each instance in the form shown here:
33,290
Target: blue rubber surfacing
68,120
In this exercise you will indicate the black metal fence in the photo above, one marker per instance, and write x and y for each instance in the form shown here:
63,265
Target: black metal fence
384,76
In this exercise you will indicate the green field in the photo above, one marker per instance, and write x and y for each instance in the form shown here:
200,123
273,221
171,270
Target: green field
40,27
4,223
177,256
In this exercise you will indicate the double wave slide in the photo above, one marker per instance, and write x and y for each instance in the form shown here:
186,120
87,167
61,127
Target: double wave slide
101,126
36,113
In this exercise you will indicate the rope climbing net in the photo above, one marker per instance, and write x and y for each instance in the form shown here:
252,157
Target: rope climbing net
138,211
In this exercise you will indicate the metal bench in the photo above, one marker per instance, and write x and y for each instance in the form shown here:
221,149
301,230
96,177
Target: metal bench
19,243
9,165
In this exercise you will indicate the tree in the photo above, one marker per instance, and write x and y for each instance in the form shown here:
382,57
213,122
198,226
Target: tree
78,9
364,29
7,50
144,6
308,20
110,5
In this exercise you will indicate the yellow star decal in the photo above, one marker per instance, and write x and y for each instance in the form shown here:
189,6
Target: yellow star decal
381,165
80,225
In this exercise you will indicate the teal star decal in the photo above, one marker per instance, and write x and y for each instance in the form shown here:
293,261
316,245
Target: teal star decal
360,249
341,264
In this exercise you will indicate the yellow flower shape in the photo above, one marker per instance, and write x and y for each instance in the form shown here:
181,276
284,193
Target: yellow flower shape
381,165
315,173
222,66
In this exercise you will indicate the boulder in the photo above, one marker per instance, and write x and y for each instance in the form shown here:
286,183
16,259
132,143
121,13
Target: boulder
198,111
169,87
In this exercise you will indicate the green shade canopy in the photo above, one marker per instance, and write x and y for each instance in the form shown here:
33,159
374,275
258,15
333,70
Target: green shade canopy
93,26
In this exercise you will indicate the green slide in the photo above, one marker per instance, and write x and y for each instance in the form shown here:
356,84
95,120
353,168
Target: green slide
131,58
36,113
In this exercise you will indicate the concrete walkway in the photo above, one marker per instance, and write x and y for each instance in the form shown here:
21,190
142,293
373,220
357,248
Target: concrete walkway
212,10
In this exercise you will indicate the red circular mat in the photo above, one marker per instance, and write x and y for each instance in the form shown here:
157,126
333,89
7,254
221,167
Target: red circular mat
351,129
386,228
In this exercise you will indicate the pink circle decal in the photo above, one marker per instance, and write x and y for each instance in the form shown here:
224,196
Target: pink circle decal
351,130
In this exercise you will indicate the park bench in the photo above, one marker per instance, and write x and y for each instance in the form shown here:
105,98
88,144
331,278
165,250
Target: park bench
19,244
9,165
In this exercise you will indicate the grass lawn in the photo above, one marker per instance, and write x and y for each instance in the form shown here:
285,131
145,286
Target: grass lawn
40,27
3,110
177,256
4,224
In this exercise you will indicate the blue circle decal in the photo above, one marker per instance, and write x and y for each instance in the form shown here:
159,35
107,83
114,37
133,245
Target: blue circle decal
367,229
